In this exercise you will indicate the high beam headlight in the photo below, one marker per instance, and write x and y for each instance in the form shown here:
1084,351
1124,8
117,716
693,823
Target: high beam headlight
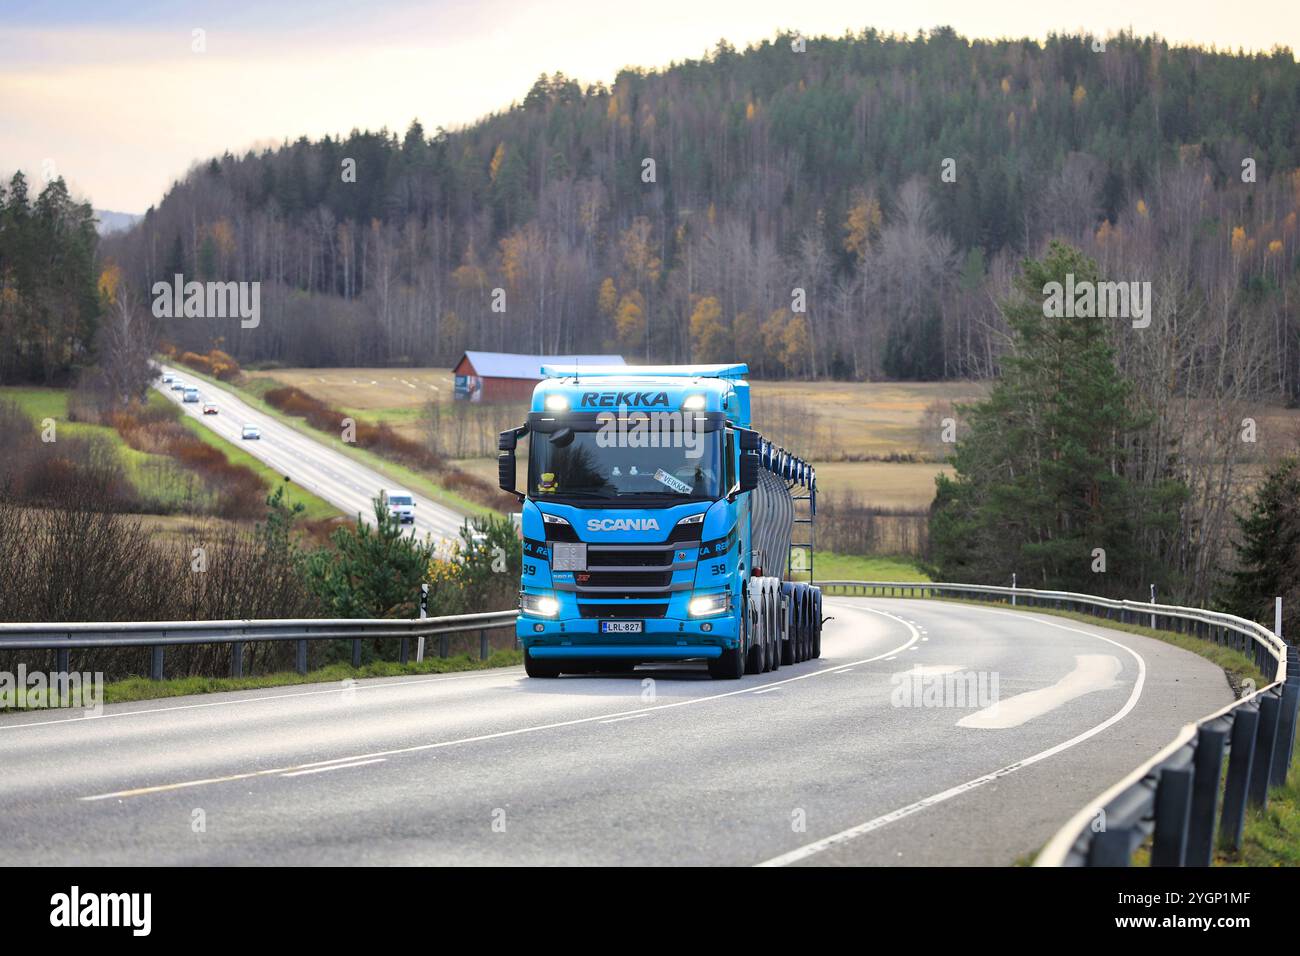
557,403
707,604
693,403
543,605
692,519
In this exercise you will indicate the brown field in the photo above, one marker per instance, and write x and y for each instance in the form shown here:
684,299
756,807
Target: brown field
878,441
367,388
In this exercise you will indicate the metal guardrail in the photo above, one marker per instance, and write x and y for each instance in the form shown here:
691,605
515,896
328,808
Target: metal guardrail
1174,798
63,638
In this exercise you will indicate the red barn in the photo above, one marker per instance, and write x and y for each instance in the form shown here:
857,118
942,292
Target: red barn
509,377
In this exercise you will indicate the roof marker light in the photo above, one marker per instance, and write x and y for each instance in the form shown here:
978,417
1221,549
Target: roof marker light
693,403
557,403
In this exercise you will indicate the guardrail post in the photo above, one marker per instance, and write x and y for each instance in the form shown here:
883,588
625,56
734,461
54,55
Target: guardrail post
1112,847
1270,709
443,644
61,666
1286,729
1207,771
356,653
1240,756
1173,803
424,613
156,663
482,645
404,653
302,655
237,659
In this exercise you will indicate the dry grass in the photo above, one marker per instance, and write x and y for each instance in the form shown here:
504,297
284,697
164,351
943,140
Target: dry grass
366,389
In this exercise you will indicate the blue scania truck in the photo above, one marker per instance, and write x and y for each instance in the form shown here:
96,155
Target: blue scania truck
658,525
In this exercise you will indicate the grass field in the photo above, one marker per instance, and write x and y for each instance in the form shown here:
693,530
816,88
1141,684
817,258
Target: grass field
154,476
828,566
151,475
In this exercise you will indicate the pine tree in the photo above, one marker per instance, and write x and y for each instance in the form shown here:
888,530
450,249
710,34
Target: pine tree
1268,551
1040,482
371,571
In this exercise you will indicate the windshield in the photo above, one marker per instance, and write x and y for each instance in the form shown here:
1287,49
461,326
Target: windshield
399,500
589,467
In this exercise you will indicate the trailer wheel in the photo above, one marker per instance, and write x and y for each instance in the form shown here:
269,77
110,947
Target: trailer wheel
535,668
790,645
816,627
778,631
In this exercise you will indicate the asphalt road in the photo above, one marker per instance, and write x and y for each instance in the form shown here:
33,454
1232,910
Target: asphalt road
820,763
329,474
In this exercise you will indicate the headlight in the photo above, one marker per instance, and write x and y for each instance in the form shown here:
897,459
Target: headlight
552,519
692,519
708,604
543,605
557,403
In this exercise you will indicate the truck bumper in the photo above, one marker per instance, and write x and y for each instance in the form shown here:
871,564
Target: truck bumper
642,652
664,639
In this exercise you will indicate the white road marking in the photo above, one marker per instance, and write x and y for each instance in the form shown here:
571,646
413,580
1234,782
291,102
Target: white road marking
1092,672
844,836
765,690
615,720
478,738
337,766
411,681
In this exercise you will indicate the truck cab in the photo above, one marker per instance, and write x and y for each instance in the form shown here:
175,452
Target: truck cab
637,520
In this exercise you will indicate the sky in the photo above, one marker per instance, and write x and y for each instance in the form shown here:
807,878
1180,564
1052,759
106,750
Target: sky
116,98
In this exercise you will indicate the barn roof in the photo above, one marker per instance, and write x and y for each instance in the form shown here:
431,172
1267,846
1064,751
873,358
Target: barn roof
513,365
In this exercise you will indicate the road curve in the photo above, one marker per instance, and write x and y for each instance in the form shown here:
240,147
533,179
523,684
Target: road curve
817,764
324,471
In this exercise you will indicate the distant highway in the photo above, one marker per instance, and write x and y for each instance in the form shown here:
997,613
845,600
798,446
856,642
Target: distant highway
820,764
324,471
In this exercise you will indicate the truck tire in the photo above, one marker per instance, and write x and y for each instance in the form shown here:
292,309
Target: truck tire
816,623
730,665
535,668
778,631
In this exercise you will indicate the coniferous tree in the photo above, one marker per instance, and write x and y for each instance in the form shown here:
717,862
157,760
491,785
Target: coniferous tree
1040,481
1268,552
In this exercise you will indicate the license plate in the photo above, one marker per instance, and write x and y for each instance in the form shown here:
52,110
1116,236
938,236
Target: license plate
622,627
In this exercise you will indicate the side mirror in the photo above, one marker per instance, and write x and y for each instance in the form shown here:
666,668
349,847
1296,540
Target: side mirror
749,443
506,443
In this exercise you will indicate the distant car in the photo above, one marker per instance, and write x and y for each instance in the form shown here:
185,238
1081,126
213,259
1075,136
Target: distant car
178,385
168,379
209,408
191,395
401,505
251,433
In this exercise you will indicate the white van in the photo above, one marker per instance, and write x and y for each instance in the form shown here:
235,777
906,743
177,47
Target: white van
401,505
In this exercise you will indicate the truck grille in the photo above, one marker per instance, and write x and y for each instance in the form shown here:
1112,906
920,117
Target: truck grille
658,558
622,579
623,610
